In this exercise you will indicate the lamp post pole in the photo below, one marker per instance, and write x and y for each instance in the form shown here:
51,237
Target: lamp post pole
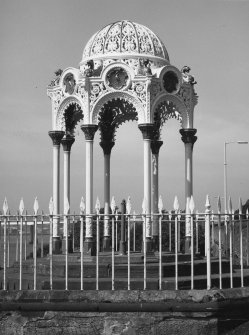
225,170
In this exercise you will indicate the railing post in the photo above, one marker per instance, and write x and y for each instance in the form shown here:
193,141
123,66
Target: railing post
208,251
5,211
241,242
122,244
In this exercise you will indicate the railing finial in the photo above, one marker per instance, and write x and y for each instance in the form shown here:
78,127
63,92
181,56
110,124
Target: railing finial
5,206
36,206
21,206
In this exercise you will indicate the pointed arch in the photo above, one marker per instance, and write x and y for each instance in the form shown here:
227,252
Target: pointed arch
64,106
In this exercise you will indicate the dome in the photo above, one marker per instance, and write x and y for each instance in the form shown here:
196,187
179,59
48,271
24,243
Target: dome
125,39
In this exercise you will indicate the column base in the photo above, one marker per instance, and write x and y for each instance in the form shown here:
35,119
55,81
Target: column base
155,243
89,246
107,243
148,246
187,245
122,247
56,244
70,245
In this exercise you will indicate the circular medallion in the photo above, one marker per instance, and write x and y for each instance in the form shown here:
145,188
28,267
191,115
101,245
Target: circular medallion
117,78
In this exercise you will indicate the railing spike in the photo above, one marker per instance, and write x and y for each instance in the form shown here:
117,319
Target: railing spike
82,206
207,205
247,213
5,206
240,206
191,204
36,206
128,206
51,206
113,205
176,204
160,204
219,205
21,206
97,206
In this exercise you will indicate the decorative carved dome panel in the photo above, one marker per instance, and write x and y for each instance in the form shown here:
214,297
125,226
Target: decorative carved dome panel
122,39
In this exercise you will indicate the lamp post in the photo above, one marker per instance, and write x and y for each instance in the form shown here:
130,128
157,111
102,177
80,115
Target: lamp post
225,170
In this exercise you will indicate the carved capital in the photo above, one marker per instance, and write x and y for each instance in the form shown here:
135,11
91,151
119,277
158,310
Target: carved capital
155,147
89,130
188,135
107,146
67,142
147,130
56,136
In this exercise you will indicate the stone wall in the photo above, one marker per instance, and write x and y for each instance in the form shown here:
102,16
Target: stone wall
125,312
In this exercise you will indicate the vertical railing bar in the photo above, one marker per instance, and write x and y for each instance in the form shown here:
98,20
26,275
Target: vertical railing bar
113,255
241,250
170,232
42,241
160,251
51,252
8,245
247,239
212,223
192,250
116,233
179,233
134,233
25,240
144,245
129,253
35,251
231,249
220,250
176,250
226,233
81,252
20,279
208,251
97,253
17,236
197,233
4,253
66,253
73,230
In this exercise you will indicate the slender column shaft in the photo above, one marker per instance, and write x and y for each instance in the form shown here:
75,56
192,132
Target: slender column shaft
147,131
189,138
155,147
67,144
56,137
107,147
89,131
89,187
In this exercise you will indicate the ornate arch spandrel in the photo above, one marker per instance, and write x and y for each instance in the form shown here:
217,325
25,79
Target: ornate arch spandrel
141,112
174,108
60,116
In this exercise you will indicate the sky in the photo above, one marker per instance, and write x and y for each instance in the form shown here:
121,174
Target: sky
38,37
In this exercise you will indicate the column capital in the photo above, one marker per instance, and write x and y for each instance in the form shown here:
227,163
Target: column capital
107,146
56,136
147,130
67,142
188,135
89,130
155,147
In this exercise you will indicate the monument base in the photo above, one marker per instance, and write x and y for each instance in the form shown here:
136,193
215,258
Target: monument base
89,246
107,243
56,245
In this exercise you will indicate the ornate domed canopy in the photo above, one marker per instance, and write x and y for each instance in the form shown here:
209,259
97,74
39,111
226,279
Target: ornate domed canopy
125,39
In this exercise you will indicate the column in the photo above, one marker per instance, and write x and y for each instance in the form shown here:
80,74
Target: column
188,138
107,148
56,137
155,147
89,132
67,143
147,132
